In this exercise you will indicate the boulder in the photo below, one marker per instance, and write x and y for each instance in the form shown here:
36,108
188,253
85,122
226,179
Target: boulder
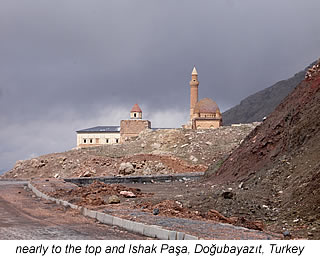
86,174
156,145
114,199
126,168
43,163
286,234
193,158
34,163
127,194
227,195
156,211
18,164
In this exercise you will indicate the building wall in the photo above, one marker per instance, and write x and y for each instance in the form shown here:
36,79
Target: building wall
137,115
84,139
210,115
205,124
131,128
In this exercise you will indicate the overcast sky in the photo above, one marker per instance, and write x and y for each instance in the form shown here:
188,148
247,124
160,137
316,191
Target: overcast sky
66,65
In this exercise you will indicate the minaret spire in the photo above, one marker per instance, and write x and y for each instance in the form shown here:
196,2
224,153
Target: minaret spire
194,71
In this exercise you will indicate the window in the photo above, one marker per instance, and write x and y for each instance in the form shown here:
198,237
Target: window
117,140
107,140
84,141
135,115
91,141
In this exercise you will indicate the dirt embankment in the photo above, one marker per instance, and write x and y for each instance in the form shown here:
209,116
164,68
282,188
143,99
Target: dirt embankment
153,152
163,199
275,173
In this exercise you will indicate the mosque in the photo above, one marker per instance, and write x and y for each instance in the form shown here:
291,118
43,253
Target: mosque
204,114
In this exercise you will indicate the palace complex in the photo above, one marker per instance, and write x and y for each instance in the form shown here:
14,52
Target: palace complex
204,114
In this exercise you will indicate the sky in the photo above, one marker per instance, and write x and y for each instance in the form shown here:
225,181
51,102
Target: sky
67,65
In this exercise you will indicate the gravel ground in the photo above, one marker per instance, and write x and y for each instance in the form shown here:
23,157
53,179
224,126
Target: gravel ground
23,216
177,203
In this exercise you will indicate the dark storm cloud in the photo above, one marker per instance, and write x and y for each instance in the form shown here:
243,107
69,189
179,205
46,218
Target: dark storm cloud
72,64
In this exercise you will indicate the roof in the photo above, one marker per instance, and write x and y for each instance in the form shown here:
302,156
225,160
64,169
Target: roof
108,129
101,129
206,105
136,108
194,71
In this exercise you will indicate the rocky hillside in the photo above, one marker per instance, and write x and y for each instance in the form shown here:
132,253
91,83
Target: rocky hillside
153,152
255,107
275,173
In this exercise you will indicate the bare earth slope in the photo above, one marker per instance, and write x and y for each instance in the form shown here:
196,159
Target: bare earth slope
278,165
153,152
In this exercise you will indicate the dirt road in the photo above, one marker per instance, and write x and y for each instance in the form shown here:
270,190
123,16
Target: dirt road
24,216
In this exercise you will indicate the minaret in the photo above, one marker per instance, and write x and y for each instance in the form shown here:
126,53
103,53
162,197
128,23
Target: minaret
194,83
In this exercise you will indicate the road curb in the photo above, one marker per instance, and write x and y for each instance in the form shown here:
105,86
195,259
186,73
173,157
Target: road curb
132,226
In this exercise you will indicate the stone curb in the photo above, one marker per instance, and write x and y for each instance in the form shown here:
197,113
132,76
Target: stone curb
136,227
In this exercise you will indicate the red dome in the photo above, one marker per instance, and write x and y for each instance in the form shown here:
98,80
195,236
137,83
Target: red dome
206,105
136,108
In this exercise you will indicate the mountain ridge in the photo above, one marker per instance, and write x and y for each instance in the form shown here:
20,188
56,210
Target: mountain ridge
260,104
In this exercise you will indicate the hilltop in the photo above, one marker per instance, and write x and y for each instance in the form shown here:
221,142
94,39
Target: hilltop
162,151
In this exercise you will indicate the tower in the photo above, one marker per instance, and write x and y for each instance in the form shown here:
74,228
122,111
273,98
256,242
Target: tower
194,83
134,126
136,112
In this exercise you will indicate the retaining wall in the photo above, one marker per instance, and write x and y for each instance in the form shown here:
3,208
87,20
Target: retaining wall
136,179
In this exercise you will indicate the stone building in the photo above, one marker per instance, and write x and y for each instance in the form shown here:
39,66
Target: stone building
135,125
100,135
205,113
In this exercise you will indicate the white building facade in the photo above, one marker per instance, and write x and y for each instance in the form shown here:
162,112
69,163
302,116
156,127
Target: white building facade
98,135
